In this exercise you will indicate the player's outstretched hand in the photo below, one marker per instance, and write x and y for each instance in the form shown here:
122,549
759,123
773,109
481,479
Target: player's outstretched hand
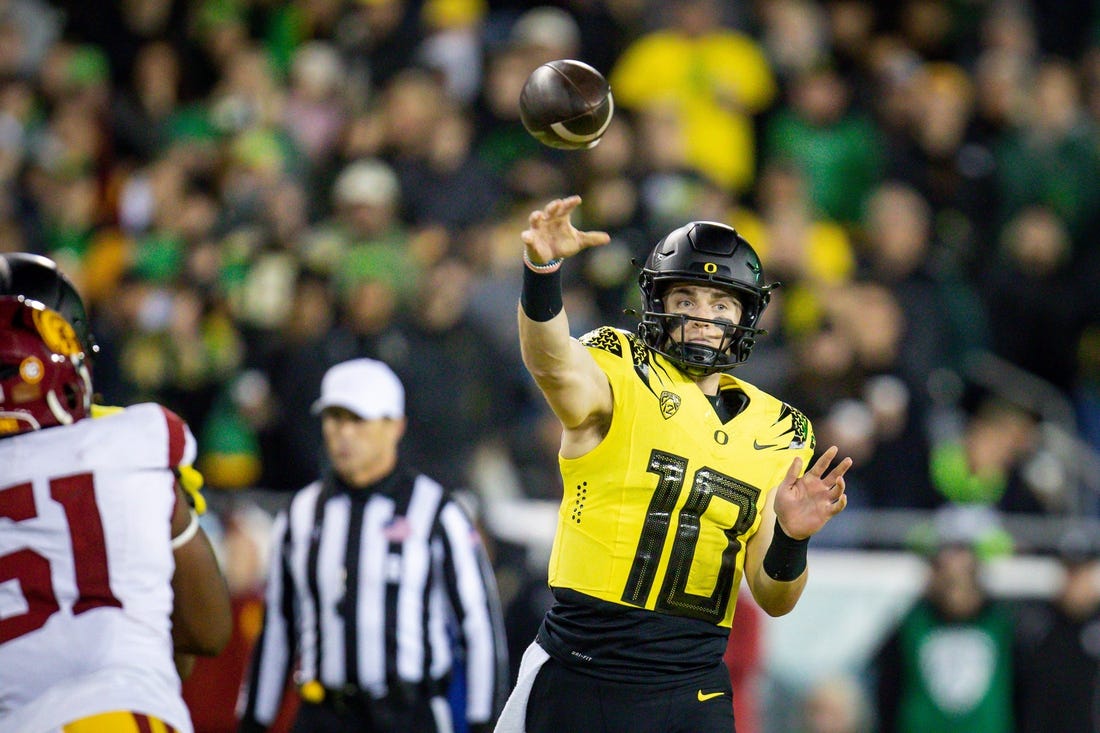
803,505
550,234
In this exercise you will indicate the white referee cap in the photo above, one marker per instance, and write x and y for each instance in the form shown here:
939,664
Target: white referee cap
366,387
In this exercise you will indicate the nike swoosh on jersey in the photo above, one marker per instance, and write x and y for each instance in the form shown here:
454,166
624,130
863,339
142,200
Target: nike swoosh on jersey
756,444
704,696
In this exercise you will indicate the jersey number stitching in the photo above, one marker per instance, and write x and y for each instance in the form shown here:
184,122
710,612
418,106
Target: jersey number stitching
76,495
706,485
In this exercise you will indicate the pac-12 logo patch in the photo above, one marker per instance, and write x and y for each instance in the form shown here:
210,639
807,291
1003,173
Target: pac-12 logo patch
670,403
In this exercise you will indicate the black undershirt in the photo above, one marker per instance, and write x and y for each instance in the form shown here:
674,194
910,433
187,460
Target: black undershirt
728,403
624,643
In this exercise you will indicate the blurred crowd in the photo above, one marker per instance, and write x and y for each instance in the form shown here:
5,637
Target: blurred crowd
249,191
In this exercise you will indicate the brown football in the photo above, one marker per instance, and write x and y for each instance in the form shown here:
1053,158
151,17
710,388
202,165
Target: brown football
566,104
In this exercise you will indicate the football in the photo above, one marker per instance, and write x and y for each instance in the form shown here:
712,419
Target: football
566,104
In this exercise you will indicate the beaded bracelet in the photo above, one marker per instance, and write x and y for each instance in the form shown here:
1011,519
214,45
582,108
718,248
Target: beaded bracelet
545,269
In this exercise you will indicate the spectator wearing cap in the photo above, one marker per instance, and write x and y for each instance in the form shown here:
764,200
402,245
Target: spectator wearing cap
365,239
373,567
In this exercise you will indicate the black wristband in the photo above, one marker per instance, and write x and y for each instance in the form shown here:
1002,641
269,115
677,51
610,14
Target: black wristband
541,296
785,559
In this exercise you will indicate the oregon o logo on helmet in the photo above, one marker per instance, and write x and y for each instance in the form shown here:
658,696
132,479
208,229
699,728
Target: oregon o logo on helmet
710,268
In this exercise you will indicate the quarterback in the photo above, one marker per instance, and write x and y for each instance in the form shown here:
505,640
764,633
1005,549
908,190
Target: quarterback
680,480
104,570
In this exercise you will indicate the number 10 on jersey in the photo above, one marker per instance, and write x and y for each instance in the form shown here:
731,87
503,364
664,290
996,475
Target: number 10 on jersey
707,485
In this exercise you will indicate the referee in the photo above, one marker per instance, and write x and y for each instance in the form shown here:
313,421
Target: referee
378,585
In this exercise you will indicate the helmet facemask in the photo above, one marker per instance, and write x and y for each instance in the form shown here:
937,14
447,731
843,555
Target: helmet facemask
698,360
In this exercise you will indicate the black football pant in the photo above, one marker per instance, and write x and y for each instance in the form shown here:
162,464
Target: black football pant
563,700
374,717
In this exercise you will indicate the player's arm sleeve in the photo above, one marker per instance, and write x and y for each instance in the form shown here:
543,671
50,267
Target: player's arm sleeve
471,586
262,694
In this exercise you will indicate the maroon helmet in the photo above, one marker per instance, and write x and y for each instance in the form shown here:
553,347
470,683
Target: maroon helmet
44,380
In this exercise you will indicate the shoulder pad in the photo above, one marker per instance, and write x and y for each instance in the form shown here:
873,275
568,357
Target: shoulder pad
105,410
609,339
803,435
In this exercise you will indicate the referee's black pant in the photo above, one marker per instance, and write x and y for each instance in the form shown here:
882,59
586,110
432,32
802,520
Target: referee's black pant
361,714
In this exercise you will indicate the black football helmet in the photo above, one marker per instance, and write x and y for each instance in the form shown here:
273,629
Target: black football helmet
703,253
38,278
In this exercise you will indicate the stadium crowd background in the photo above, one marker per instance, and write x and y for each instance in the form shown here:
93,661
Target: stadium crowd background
248,191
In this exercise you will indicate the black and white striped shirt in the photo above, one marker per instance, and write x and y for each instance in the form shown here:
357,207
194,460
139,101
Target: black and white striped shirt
404,561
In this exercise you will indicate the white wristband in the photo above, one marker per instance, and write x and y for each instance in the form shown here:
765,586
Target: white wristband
187,534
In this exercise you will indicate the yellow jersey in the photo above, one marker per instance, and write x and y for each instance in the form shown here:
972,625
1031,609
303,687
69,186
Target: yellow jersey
658,515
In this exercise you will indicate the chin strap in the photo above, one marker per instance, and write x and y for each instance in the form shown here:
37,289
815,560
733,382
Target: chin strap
696,359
